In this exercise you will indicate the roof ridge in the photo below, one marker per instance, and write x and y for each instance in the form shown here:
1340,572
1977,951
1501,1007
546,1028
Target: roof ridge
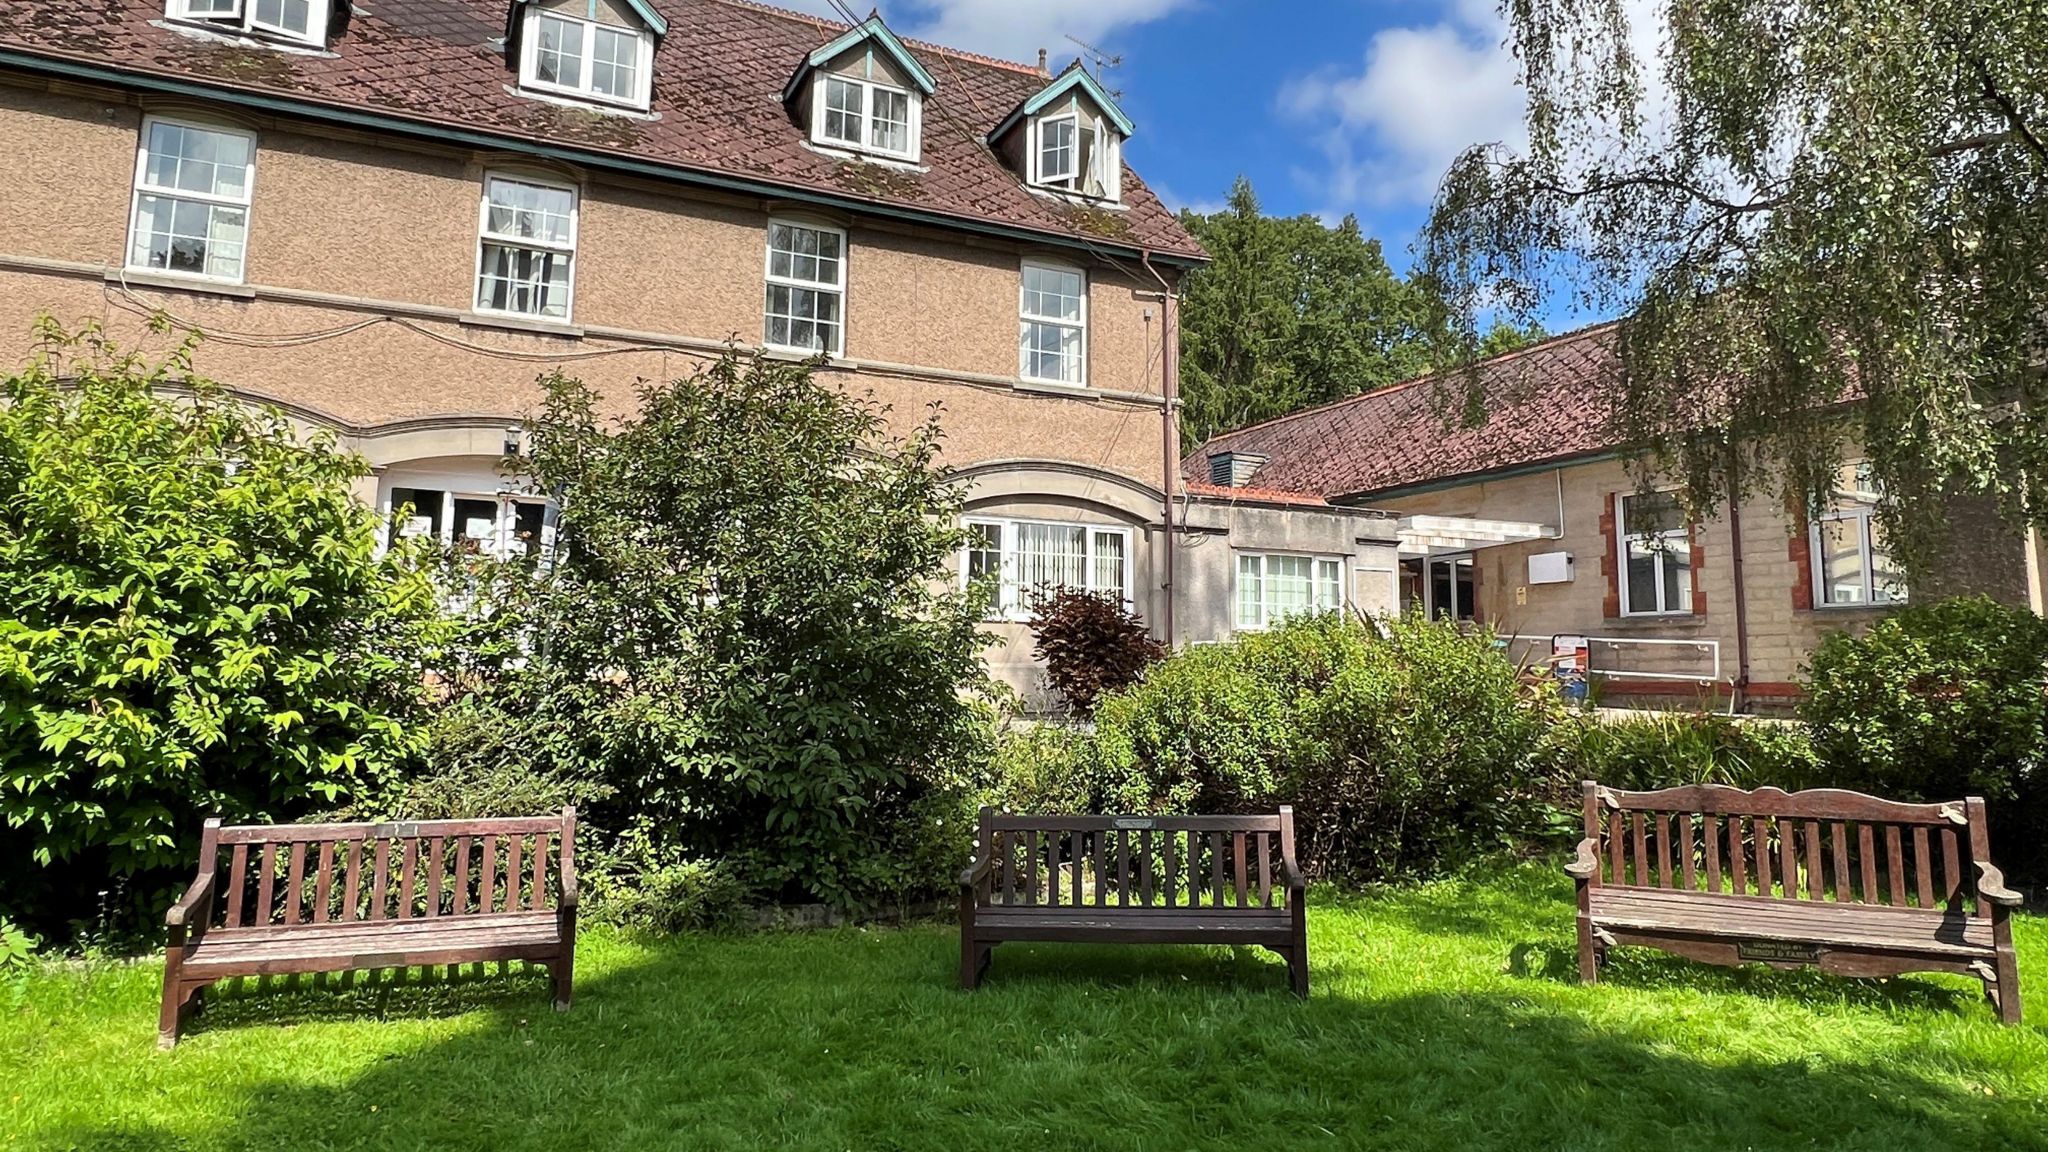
1400,385
824,22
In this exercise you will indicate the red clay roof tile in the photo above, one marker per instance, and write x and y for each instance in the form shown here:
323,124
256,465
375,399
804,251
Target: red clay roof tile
1542,404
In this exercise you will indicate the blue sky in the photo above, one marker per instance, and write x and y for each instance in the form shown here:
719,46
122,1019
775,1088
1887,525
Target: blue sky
1329,106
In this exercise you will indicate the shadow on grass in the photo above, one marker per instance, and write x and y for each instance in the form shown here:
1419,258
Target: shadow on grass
1650,970
859,1040
408,994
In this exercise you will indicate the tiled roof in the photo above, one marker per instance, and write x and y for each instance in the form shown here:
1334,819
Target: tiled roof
717,108
1543,403
1208,491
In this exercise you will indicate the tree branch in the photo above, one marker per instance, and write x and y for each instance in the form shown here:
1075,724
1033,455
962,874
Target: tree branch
2005,106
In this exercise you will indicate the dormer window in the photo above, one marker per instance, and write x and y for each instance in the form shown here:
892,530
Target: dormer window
301,21
1068,138
866,117
1079,154
587,59
862,92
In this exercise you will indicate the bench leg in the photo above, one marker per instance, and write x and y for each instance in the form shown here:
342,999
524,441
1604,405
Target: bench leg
562,974
974,961
178,999
2004,990
1589,953
1297,969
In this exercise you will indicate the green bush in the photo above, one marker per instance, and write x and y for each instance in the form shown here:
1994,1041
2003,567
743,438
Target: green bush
1941,700
1403,750
1646,752
17,955
199,623
749,634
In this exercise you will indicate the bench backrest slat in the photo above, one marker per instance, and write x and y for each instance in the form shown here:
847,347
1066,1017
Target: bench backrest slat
315,874
1134,862
1821,845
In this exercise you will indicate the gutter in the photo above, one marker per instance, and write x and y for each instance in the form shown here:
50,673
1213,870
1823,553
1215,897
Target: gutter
325,113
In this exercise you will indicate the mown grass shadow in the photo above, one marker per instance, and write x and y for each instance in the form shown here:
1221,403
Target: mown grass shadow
861,1041
273,1001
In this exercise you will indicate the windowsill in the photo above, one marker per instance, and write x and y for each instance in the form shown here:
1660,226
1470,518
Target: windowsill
841,151
1057,388
799,356
246,37
1651,620
1855,609
1079,199
524,324
177,282
567,98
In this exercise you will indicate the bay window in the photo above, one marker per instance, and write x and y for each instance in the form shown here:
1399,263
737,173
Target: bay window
1022,559
1271,588
1656,554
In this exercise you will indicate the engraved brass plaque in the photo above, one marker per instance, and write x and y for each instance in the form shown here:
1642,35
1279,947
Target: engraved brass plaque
1778,952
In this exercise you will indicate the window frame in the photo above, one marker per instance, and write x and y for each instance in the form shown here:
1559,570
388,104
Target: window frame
913,127
1865,517
242,18
642,96
1009,603
1026,319
454,488
770,280
1108,154
1267,620
485,237
136,192
1624,539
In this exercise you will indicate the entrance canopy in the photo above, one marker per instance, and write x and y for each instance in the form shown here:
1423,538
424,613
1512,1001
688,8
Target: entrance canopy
1429,535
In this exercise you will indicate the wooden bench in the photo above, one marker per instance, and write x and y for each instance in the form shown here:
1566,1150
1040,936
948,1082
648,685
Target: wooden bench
1837,880
335,897
1134,879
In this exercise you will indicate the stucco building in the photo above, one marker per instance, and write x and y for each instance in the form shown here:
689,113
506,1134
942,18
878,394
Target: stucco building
389,217
1533,524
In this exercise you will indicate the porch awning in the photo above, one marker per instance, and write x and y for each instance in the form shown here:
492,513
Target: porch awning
1423,535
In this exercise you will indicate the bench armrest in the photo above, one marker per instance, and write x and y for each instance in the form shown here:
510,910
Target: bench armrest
972,877
196,899
1291,875
1586,866
1991,886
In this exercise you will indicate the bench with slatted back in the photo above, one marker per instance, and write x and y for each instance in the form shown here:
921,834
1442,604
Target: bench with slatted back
1134,879
337,897
1836,880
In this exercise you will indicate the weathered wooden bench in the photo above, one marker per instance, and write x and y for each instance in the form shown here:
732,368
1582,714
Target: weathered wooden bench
306,898
1844,882
1134,879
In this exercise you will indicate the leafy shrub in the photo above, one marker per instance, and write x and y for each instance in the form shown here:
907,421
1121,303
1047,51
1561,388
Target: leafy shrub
199,623
633,882
1040,768
746,633
1402,751
17,955
1640,753
1090,645
1940,700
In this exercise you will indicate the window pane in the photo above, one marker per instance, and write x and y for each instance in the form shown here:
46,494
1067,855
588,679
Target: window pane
889,128
1842,572
1052,293
1329,586
1677,582
1642,579
1110,565
1050,556
1250,592
416,512
1289,590
843,111
615,63
522,211
985,560
186,159
295,16
1655,512
1887,579
558,57
524,280
1056,149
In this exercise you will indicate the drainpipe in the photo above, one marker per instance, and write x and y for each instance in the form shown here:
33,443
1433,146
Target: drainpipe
1169,429
1736,702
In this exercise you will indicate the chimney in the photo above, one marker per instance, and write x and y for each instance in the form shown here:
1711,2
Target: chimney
1042,71
1233,469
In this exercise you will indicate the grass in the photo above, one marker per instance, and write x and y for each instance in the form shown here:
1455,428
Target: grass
1444,1017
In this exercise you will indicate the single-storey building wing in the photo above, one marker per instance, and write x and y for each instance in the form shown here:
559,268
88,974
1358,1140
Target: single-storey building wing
1532,524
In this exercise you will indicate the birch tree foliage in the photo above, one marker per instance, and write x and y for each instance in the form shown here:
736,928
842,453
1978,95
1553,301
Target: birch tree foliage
1824,224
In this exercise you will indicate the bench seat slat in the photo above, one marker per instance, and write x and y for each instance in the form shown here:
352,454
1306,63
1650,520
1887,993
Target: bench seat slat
1088,925
389,943
1752,917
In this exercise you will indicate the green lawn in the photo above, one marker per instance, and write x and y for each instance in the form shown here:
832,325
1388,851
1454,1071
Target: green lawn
1443,1017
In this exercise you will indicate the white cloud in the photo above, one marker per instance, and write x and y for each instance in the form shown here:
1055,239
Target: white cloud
1424,94
1006,29
1427,92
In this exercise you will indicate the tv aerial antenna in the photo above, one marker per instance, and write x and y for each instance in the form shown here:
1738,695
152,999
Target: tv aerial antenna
1101,62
